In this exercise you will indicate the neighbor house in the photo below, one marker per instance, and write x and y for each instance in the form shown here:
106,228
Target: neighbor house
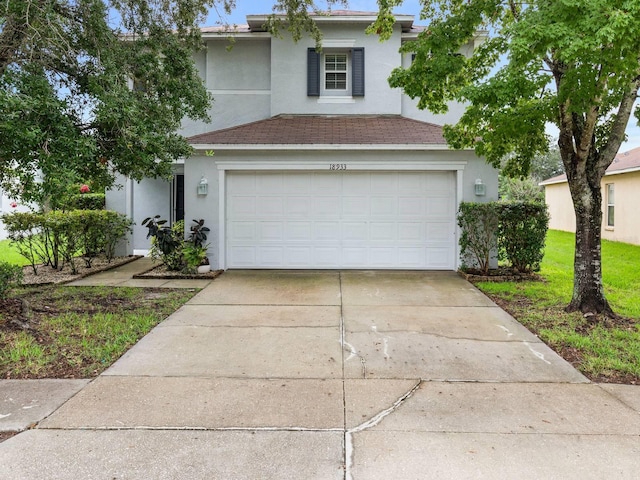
311,160
620,199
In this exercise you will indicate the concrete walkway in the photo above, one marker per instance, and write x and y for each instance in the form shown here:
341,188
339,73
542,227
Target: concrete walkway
336,375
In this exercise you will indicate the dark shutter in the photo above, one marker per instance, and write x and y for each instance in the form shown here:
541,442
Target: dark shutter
357,61
313,73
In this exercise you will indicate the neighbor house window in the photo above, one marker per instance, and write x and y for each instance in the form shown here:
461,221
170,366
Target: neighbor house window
610,205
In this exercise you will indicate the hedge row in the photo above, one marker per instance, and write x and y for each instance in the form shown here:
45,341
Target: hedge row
57,238
515,230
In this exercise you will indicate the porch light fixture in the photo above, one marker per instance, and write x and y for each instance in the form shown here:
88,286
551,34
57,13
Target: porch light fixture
203,186
480,188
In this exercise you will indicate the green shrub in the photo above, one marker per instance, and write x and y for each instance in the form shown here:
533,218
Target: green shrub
87,201
522,233
57,238
479,233
167,243
516,231
9,275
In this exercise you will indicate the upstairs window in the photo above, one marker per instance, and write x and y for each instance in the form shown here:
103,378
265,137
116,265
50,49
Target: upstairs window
335,71
339,73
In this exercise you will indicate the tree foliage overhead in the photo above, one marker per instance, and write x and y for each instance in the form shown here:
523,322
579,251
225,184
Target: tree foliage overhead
67,106
574,63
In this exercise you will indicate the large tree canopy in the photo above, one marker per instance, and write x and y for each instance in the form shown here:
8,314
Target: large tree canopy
573,63
67,106
94,88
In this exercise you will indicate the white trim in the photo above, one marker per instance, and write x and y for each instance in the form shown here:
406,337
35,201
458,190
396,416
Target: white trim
332,99
203,147
224,35
338,43
222,219
141,251
243,165
425,165
240,92
459,199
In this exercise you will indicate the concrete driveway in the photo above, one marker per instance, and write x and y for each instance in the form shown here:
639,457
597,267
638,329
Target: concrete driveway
336,375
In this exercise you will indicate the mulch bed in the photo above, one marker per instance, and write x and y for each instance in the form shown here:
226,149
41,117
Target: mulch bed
161,271
499,275
48,276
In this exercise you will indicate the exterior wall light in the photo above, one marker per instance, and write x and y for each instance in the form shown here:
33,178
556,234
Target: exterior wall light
480,188
203,186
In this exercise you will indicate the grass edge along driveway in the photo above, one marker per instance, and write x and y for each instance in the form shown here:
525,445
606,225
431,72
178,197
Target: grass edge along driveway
604,350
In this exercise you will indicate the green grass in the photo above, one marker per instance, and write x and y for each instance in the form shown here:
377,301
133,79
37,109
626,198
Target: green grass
10,254
604,350
79,332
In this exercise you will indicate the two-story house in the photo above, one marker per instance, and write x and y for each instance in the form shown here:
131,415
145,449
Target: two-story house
311,160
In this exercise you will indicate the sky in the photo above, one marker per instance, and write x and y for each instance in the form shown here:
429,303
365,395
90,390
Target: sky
409,7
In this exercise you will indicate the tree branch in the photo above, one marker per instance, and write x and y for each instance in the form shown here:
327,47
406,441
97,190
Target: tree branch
621,119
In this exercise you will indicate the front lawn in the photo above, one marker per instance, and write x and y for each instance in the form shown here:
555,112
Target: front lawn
10,254
77,332
604,350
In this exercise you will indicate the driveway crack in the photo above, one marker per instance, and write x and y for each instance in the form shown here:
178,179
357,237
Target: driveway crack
372,422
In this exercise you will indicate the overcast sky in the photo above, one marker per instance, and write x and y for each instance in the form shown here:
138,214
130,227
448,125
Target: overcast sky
409,7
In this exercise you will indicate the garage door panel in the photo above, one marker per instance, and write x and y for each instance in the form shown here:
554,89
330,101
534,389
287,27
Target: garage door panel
438,257
356,184
383,231
327,231
411,206
383,257
270,206
241,256
354,257
242,231
299,231
298,256
325,184
341,220
297,182
384,206
270,256
241,205
411,257
411,183
355,206
383,182
327,257
297,206
355,231
326,207
439,232
270,231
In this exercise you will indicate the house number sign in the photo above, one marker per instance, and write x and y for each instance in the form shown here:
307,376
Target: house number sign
337,166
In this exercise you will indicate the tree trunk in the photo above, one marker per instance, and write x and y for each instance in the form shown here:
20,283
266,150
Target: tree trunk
588,291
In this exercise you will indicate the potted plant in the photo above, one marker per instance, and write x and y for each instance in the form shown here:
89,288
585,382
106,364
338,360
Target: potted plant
195,258
198,250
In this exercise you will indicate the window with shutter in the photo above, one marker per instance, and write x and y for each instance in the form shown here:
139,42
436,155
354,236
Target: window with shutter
335,72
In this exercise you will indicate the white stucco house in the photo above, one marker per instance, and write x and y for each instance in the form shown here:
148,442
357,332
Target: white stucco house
311,160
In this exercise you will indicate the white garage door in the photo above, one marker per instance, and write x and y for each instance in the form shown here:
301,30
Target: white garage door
359,220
